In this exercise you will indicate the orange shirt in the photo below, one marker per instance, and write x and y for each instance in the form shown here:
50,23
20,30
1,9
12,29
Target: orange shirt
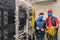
57,21
50,22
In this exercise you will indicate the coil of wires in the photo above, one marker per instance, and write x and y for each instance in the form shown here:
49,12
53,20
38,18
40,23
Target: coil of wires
51,31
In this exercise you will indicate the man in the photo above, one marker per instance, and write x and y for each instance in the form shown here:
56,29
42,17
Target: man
40,26
52,22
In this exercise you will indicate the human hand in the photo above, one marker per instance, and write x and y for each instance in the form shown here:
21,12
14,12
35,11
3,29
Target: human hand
37,28
47,28
42,29
56,27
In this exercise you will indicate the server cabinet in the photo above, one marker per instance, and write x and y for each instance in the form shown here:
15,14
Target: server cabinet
7,17
7,24
6,4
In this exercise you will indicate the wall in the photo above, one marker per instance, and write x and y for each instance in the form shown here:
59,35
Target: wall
45,7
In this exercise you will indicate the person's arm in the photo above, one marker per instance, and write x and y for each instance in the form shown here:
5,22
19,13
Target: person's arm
57,23
35,27
44,24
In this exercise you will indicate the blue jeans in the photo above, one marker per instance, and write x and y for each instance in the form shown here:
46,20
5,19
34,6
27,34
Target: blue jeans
56,36
40,38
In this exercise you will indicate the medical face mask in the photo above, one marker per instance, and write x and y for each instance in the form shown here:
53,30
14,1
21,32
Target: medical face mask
49,14
41,17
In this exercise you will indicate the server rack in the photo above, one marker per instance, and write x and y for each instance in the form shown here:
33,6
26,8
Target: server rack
20,10
7,25
7,22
